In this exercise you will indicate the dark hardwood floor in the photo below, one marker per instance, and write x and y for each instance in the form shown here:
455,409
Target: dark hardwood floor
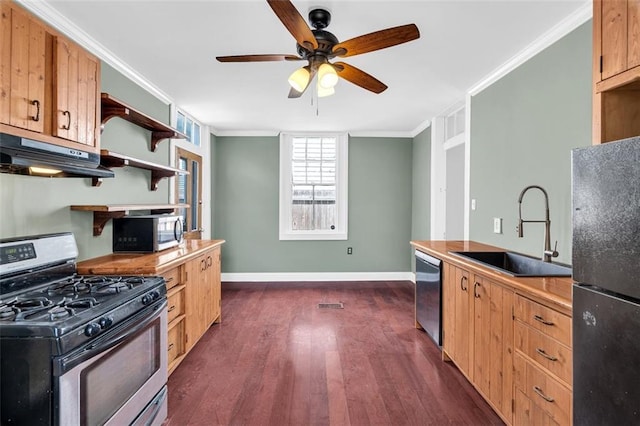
278,359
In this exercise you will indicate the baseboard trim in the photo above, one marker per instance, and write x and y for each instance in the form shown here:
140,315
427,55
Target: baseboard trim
316,276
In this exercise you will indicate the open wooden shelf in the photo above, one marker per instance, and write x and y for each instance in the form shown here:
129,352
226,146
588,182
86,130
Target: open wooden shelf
112,159
112,107
104,213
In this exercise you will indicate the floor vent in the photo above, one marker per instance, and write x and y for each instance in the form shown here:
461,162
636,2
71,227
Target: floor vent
338,305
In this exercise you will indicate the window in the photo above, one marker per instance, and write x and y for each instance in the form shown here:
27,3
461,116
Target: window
188,126
313,186
189,191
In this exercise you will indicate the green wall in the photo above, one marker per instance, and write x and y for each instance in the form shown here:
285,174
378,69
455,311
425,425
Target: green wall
246,209
36,205
523,128
421,186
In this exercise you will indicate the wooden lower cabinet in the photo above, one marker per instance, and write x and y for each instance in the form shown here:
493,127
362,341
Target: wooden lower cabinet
203,294
543,357
478,337
192,277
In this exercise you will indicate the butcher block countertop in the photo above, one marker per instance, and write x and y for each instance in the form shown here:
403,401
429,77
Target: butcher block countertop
552,291
146,263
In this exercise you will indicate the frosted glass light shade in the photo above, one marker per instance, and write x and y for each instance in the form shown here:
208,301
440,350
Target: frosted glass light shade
327,76
299,79
322,92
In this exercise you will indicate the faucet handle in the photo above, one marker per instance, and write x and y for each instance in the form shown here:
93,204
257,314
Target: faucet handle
554,252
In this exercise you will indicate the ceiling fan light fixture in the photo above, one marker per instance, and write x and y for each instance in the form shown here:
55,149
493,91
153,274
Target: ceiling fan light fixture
327,76
299,79
324,92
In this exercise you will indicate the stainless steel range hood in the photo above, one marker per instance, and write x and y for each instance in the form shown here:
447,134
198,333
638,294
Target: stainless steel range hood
29,157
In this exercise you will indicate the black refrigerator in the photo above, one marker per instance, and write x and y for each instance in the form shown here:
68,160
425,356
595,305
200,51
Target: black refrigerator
606,293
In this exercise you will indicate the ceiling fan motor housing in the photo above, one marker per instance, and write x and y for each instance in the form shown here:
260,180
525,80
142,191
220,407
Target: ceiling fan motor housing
319,18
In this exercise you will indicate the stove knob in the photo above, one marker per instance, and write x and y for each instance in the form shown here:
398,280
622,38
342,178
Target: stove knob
92,329
105,322
150,297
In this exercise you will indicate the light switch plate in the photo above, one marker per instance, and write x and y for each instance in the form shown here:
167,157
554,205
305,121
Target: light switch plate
473,204
497,225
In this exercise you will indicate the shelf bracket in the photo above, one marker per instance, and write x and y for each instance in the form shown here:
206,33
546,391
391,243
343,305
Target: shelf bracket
157,175
109,112
100,219
158,136
96,181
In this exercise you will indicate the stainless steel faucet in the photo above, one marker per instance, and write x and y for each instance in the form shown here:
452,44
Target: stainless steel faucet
547,253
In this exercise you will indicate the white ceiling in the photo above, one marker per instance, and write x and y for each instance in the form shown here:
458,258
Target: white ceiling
173,45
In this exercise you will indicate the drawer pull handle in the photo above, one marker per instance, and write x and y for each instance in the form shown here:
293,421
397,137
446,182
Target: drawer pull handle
537,390
542,320
475,293
546,355
170,347
463,280
168,280
171,308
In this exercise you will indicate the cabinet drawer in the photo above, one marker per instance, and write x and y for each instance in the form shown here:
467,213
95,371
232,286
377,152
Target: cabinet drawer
544,350
175,342
545,392
543,319
527,413
172,277
175,303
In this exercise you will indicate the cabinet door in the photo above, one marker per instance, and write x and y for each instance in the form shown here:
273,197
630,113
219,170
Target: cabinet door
633,33
76,93
216,289
196,295
493,341
449,290
463,331
22,69
614,37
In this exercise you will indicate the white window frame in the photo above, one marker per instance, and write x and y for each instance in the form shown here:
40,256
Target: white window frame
342,161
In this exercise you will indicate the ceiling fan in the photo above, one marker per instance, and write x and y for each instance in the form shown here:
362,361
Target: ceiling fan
319,46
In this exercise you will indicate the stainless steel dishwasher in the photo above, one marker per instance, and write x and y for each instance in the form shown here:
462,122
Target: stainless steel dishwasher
429,295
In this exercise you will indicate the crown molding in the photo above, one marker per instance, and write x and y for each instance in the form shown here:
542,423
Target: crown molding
421,128
49,14
564,27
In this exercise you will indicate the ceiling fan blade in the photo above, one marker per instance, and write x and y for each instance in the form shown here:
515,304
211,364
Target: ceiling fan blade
293,93
359,77
377,40
295,23
257,58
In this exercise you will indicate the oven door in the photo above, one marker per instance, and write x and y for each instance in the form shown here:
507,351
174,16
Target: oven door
118,379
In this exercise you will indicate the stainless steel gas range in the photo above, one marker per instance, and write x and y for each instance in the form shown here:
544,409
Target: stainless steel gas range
78,350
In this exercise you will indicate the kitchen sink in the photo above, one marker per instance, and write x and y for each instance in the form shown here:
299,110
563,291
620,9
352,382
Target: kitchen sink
515,264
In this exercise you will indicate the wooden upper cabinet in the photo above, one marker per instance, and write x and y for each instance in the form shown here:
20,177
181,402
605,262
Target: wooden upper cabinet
76,92
49,85
22,69
619,36
616,70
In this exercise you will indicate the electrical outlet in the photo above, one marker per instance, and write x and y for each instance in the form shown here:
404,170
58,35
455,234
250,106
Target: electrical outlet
349,250
497,225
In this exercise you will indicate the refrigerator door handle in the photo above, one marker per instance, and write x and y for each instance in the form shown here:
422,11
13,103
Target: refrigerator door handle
537,390
542,320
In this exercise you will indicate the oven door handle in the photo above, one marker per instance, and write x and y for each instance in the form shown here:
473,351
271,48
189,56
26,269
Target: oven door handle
113,338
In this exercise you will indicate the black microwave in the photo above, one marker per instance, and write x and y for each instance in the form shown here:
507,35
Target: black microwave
146,233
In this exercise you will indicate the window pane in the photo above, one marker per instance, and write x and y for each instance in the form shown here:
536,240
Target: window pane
180,122
196,134
189,129
313,177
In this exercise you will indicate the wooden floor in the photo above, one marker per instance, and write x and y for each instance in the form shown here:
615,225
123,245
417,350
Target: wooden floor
278,359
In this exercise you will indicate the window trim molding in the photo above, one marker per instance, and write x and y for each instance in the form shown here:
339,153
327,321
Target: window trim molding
342,184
